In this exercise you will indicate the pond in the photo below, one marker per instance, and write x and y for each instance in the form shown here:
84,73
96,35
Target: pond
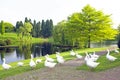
23,51
104,44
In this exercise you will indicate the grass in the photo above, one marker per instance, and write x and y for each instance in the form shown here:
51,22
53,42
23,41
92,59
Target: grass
104,63
16,40
17,70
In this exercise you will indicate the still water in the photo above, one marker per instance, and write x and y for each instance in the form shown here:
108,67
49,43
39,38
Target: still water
23,51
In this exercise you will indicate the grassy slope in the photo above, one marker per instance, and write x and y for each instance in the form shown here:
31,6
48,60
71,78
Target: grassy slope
16,70
16,41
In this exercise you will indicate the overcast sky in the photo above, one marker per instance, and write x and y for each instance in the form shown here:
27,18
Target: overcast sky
57,10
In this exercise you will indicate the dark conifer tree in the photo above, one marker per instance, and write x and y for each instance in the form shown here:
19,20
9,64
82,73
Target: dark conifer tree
43,28
2,27
51,27
38,29
47,29
26,19
34,29
18,25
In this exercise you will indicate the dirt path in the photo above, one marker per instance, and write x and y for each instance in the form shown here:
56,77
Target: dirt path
67,71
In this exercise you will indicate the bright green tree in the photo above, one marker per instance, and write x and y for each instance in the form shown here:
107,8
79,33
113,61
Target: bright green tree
59,33
92,25
9,27
25,30
28,28
88,26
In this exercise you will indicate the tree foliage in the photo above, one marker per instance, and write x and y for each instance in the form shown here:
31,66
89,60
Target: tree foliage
39,29
47,28
88,26
25,30
59,33
9,27
2,28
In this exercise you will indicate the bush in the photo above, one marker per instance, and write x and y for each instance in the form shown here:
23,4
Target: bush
2,43
8,42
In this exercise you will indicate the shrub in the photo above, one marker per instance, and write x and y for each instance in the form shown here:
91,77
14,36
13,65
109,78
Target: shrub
8,41
2,43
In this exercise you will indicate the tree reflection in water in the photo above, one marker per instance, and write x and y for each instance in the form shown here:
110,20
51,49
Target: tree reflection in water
24,50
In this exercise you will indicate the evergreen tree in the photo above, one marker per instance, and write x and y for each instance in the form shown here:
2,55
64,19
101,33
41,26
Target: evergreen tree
43,28
34,29
2,29
26,19
18,25
38,29
51,27
47,29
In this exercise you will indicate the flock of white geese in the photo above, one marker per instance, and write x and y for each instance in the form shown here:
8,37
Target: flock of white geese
90,60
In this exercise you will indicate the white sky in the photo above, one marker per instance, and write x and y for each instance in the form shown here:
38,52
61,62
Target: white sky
57,10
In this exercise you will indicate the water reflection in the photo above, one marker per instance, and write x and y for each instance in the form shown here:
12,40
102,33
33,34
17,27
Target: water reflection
104,44
24,51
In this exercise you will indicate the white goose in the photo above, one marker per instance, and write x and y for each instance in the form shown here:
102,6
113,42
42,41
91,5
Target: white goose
79,56
48,58
109,57
90,63
116,51
5,66
95,55
72,53
86,57
60,59
58,55
32,63
93,58
38,61
20,63
49,64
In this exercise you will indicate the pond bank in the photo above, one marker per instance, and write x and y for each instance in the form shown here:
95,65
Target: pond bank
67,71
8,46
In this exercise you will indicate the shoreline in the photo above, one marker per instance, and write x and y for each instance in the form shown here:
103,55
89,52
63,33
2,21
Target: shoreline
8,46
